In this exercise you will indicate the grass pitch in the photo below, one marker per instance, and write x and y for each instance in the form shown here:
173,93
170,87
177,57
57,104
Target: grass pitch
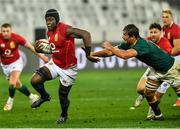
98,99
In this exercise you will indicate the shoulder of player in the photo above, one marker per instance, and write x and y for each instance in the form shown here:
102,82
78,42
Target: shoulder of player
142,43
62,24
164,39
175,26
163,42
142,40
16,35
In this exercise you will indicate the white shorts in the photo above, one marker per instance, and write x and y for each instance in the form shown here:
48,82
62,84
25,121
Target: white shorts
66,76
15,66
172,77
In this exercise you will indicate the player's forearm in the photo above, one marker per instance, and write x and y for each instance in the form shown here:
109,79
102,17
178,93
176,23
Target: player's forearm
32,49
175,51
102,53
119,53
176,47
87,42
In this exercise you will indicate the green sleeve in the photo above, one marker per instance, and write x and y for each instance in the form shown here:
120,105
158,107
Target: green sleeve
124,46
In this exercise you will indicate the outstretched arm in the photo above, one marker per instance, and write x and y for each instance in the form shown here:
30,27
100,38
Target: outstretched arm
86,36
124,54
31,48
102,53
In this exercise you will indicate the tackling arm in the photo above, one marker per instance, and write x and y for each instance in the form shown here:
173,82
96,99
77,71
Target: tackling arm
102,53
124,54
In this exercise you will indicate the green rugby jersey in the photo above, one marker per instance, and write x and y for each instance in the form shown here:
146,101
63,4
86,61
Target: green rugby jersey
150,54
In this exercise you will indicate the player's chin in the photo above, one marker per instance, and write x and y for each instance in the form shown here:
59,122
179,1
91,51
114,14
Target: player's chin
49,28
165,24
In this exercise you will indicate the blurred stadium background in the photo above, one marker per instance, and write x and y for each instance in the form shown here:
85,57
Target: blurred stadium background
94,104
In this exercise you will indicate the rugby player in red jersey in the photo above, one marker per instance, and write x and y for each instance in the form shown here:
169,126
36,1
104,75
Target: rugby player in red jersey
172,33
63,63
12,63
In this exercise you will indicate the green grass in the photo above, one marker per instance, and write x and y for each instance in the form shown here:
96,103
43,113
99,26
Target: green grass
98,99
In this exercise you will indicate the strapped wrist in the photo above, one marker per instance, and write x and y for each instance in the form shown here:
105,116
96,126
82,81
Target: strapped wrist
88,51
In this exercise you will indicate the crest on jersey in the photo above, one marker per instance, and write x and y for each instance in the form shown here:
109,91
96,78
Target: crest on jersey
56,37
12,45
169,35
3,45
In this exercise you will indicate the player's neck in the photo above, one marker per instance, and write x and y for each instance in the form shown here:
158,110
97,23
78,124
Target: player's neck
159,39
134,42
169,26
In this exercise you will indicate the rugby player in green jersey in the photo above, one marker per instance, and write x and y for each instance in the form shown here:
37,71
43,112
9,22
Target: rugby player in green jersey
163,67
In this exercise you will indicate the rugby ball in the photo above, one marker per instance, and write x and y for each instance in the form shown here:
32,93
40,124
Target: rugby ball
42,45
42,41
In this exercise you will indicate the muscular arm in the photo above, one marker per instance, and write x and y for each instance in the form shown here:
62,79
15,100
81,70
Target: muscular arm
86,36
102,53
176,49
81,34
31,48
124,54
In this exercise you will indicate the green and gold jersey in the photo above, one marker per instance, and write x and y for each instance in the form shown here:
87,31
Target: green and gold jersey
150,54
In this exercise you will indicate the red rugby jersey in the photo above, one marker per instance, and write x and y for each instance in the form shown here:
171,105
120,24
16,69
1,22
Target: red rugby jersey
9,51
164,44
171,33
64,57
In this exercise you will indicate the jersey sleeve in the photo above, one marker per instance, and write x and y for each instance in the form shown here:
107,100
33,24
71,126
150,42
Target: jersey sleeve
124,46
166,46
21,40
142,48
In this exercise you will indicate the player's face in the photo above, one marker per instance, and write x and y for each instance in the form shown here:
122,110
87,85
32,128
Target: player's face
155,34
6,32
127,38
51,23
166,19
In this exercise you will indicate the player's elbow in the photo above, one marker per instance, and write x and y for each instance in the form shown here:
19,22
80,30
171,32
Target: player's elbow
86,35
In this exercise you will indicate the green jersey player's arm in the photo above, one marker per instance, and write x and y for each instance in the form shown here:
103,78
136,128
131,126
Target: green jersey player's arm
102,53
124,54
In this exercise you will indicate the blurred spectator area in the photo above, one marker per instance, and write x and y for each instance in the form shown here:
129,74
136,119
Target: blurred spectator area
103,18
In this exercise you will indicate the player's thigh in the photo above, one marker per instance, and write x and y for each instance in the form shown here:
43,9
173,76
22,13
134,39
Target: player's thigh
42,74
68,76
142,82
141,85
8,69
52,69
